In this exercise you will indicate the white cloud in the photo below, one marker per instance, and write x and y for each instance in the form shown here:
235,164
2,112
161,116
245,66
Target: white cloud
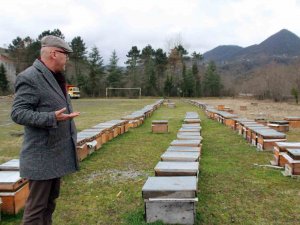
119,24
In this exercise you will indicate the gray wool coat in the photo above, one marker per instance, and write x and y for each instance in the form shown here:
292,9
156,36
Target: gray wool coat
49,146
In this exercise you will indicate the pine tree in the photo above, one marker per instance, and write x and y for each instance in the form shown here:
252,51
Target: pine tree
188,84
132,68
212,81
17,52
114,75
182,51
168,86
161,62
196,58
96,72
3,79
149,76
55,32
78,55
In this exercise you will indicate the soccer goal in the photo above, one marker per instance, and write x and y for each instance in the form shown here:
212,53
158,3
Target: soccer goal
108,92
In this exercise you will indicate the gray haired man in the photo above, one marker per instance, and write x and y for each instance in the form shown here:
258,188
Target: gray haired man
48,152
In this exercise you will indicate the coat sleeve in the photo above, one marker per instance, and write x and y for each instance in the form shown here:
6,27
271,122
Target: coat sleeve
25,104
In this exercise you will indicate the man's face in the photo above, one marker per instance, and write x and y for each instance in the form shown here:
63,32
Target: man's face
61,58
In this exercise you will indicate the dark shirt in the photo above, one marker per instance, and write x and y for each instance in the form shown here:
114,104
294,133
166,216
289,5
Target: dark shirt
60,78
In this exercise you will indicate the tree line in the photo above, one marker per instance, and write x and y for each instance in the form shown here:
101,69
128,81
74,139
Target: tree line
158,73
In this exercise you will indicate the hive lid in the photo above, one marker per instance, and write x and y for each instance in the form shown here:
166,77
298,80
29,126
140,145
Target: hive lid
294,152
180,155
183,149
288,144
177,166
178,183
13,164
193,143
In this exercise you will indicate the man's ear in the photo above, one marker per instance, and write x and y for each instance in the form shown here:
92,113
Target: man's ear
52,54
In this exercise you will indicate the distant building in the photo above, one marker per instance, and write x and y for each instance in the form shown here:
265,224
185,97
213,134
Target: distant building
9,66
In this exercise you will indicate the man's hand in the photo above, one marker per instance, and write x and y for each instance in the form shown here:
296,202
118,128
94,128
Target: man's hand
60,115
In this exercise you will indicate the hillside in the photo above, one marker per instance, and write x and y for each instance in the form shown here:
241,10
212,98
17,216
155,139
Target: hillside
283,44
222,53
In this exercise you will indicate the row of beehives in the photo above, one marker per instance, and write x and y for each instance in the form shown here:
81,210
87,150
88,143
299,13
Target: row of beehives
14,190
261,136
279,125
93,138
171,195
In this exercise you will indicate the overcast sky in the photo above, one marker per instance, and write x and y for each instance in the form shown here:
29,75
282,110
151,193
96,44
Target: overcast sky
200,25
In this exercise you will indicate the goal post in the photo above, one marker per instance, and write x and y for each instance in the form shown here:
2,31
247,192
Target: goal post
107,90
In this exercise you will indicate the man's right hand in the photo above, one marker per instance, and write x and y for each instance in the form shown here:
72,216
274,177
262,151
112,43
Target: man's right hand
60,115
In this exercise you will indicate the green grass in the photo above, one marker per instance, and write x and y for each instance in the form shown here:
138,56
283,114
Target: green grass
107,189
10,141
233,190
93,111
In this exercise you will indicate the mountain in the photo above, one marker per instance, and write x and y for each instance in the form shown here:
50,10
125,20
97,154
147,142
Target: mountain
283,44
222,53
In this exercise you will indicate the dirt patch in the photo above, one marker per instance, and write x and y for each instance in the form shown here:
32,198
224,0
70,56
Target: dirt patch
116,175
257,109
5,97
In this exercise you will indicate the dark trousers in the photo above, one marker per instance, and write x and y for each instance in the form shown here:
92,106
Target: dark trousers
41,201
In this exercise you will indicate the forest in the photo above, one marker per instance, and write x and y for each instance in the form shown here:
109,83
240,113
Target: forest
171,73
156,72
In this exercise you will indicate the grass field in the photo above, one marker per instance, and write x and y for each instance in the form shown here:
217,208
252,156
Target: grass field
107,189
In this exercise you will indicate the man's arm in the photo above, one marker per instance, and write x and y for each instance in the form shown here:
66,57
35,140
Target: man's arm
25,104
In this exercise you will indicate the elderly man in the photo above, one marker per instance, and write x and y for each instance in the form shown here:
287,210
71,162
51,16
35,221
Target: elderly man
43,106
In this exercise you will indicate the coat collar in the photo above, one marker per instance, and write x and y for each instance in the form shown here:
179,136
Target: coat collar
49,77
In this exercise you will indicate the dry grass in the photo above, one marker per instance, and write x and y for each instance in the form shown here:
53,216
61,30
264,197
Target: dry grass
266,108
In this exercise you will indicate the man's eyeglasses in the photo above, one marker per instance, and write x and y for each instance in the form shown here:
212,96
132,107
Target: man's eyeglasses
65,53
